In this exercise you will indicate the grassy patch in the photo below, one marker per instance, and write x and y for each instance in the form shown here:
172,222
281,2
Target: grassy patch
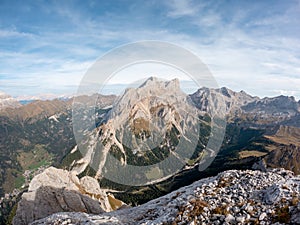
114,203
197,206
69,158
154,173
286,135
13,179
282,215
222,210
35,158
246,154
19,181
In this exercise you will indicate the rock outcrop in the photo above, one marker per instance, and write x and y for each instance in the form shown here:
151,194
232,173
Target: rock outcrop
260,165
57,190
232,197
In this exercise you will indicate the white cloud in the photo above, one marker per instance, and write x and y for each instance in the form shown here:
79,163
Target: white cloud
11,33
182,8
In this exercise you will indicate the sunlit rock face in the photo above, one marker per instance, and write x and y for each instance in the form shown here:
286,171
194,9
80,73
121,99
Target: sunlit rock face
57,190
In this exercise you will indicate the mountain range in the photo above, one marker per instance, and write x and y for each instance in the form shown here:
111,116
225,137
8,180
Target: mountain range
144,127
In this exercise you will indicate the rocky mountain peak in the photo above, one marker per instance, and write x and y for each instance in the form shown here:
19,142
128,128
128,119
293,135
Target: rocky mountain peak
223,100
140,102
283,106
155,87
172,84
280,100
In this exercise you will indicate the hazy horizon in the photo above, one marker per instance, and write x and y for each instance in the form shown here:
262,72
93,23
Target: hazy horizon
189,87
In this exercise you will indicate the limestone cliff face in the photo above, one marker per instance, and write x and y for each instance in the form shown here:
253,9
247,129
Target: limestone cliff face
222,99
240,104
57,190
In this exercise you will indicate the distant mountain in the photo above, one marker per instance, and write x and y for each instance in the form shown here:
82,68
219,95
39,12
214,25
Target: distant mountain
6,101
211,100
44,97
241,104
25,102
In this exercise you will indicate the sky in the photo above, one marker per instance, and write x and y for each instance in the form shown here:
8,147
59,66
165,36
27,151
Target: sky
46,47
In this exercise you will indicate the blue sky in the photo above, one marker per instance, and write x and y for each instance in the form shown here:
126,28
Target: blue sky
47,46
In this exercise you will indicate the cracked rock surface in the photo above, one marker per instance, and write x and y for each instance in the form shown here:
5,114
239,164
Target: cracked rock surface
57,190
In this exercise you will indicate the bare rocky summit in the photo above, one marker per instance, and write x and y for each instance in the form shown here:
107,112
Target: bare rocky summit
275,109
57,190
280,105
212,100
232,197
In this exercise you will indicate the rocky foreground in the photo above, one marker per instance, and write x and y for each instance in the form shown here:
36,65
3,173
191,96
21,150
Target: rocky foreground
232,197
57,190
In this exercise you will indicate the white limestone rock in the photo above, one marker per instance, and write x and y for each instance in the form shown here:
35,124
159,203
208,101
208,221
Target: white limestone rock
57,190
